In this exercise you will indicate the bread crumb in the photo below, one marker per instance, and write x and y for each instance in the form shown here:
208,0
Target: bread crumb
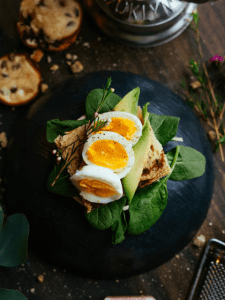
177,256
3,140
32,290
211,135
69,63
199,241
40,278
77,67
223,231
54,68
86,45
44,87
68,56
49,59
37,55
210,223
74,57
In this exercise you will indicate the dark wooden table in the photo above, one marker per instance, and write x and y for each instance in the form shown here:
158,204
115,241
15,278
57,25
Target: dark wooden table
167,64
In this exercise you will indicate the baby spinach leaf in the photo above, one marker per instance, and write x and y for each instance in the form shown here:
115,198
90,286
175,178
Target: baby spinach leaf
119,228
63,185
148,204
13,240
105,216
94,99
190,163
56,127
164,127
11,295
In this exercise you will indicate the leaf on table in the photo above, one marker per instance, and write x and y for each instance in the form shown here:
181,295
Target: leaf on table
164,127
190,163
56,127
11,295
13,241
148,204
105,216
94,99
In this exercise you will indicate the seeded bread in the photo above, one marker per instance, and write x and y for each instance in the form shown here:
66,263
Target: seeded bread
156,165
52,25
20,79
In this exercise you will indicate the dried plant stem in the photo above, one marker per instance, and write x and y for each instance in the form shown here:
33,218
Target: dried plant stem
212,93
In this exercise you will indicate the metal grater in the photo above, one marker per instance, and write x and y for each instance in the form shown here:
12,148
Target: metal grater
209,283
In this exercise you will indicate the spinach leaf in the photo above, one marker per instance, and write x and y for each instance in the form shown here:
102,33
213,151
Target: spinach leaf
119,228
63,185
164,127
105,216
148,204
56,127
190,164
94,99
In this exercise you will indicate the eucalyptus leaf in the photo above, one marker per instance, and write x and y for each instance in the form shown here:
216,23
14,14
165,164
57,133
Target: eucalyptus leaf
119,228
56,127
13,241
94,99
164,127
105,216
190,163
11,295
63,185
148,204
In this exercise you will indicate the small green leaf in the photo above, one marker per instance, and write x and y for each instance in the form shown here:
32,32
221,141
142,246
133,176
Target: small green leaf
56,127
164,127
11,295
63,185
190,163
105,216
94,99
148,204
13,241
222,141
119,228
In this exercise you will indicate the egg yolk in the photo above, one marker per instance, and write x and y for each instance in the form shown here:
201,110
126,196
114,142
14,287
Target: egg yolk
108,153
124,127
97,187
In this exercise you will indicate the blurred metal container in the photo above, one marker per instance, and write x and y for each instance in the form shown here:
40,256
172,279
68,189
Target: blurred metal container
142,23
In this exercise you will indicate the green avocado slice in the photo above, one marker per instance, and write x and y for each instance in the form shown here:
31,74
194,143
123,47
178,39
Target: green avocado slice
141,149
129,103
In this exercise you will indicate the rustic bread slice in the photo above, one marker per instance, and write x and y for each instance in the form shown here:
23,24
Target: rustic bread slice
155,168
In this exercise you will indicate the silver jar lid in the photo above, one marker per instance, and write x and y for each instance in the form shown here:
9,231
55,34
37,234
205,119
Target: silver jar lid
142,23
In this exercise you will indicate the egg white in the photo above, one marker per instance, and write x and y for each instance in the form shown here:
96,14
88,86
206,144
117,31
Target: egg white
105,175
108,135
124,115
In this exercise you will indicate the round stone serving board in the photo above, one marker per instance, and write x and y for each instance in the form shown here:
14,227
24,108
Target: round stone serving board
58,228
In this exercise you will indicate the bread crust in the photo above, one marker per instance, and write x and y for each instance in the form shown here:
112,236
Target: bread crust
64,43
35,69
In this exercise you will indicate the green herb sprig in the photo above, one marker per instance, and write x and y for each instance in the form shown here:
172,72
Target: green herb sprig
207,104
94,125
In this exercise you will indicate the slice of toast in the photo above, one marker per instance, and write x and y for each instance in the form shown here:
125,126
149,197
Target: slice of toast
155,168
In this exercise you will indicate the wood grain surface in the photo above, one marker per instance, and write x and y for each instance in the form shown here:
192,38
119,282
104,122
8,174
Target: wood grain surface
167,64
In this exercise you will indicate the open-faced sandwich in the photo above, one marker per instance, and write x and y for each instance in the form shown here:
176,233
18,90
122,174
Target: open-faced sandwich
112,161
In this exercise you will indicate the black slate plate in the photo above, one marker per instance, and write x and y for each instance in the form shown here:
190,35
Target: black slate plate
58,226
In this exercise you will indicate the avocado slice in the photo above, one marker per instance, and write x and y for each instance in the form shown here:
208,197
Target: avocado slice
141,149
129,103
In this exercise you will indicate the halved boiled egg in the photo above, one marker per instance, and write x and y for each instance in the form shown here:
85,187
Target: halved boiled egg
123,123
97,184
109,150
